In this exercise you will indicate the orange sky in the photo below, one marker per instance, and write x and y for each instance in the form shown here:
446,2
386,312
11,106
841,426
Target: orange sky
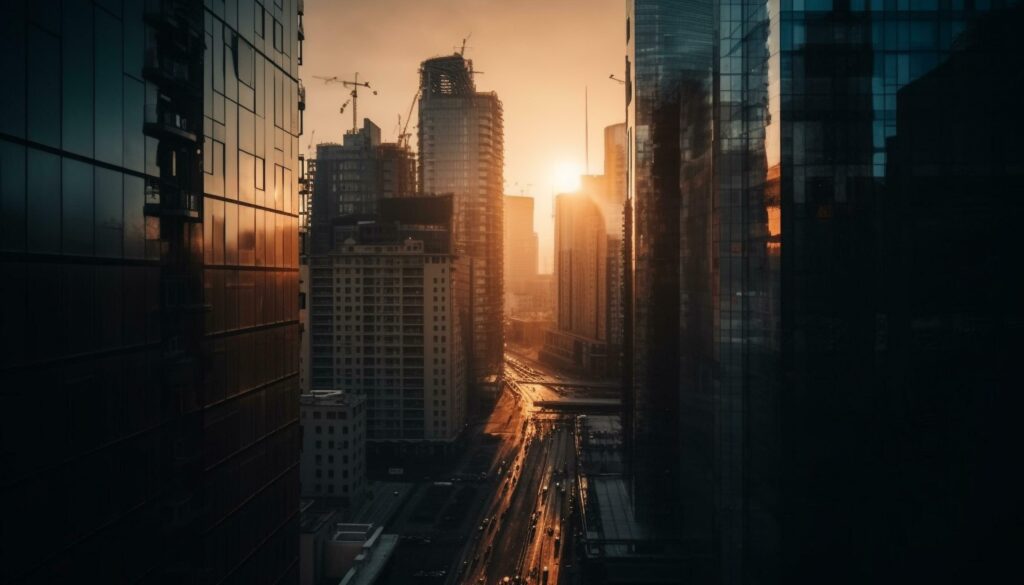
537,54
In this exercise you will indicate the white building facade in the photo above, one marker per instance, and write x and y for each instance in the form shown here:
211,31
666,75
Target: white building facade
396,339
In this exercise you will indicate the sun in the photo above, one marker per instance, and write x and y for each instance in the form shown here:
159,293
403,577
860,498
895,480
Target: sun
565,177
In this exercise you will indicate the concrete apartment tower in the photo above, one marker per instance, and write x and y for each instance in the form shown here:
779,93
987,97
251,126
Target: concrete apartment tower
462,152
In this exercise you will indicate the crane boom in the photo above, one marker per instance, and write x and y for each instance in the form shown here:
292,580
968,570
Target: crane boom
403,137
355,84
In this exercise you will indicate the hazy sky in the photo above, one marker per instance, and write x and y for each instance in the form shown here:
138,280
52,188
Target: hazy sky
538,55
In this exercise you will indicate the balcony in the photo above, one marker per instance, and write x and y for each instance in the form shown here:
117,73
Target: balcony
175,202
163,123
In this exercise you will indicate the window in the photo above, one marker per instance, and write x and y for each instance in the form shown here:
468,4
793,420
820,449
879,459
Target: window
259,22
278,36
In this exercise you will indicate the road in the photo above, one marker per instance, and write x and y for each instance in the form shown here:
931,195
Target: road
533,494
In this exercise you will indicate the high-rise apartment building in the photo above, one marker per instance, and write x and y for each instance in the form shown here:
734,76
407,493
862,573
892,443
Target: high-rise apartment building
815,382
148,378
520,246
396,339
461,141
333,466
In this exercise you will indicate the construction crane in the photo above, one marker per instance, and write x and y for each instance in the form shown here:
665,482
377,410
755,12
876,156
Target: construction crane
403,136
355,84
462,50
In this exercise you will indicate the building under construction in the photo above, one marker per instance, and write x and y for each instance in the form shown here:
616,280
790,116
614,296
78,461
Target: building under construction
462,152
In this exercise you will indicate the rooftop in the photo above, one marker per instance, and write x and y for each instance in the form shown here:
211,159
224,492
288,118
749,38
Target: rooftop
329,398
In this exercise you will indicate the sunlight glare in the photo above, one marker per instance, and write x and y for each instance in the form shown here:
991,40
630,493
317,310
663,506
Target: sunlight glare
565,177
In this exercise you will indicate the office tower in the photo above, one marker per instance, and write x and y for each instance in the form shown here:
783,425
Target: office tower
815,186
462,152
579,340
394,337
657,452
333,425
149,396
520,246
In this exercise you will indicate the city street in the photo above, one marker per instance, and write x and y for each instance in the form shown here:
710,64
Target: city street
521,530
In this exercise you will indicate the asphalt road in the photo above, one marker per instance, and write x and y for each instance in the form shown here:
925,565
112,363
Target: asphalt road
512,538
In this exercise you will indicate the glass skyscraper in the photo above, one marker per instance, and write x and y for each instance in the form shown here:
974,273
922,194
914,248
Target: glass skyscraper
823,231
148,378
461,140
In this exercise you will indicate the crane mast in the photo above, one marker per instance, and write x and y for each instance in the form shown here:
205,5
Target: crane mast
355,84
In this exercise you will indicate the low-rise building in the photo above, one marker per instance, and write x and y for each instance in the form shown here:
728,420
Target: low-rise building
333,446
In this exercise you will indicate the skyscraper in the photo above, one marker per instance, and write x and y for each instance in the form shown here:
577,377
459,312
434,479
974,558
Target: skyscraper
520,245
148,379
461,140
808,370
579,339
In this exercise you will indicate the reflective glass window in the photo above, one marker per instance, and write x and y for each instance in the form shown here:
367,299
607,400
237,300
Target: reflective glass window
134,140
12,196
77,81
77,207
44,87
134,220
109,89
12,63
109,213
43,217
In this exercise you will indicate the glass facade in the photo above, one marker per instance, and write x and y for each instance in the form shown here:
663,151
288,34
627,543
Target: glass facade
461,138
148,379
822,190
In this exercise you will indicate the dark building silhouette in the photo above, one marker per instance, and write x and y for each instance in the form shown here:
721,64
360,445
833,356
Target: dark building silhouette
824,316
396,170
148,378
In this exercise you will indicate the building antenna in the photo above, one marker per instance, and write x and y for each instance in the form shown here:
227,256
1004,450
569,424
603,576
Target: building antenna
586,128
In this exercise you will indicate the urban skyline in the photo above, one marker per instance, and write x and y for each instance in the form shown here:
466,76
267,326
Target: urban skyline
775,341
